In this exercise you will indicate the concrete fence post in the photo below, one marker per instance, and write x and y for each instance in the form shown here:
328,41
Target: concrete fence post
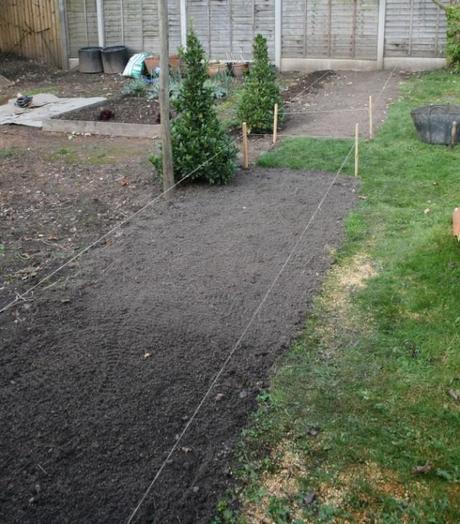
381,35
278,29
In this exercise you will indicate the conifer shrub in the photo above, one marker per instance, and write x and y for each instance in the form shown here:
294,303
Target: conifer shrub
200,145
261,92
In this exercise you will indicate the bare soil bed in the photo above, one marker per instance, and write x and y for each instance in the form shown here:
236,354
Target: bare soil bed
59,193
101,372
126,109
31,77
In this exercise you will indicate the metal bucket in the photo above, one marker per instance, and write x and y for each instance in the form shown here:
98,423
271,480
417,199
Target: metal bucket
114,59
90,60
434,123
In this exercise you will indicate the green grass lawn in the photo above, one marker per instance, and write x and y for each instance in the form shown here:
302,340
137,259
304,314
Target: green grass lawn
366,396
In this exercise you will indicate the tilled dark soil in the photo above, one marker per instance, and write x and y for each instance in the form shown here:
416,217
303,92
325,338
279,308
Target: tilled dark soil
127,109
28,75
101,374
304,84
59,195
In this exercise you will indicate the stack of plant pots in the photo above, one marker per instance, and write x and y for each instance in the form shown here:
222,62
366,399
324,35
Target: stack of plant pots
239,69
215,68
153,61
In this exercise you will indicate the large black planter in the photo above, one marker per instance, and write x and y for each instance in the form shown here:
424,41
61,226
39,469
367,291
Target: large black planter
434,123
90,60
114,59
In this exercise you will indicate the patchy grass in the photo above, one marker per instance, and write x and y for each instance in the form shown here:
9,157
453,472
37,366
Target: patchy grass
51,89
361,423
93,155
6,153
227,108
68,155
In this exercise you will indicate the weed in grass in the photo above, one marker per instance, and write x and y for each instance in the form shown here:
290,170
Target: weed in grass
6,153
50,89
69,156
380,351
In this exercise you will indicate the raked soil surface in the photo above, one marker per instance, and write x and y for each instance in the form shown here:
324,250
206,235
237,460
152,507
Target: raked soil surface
333,102
101,372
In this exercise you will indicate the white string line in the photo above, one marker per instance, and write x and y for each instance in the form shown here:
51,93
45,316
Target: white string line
325,111
20,296
331,111
240,339
338,110
386,83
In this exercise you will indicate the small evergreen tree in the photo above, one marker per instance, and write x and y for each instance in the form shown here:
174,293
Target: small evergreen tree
261,92
197,136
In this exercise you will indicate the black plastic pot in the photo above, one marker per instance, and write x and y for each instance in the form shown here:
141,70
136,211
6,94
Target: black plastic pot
90,60
434,123
114,59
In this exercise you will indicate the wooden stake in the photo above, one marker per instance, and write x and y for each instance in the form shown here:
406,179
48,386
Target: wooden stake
371,119
245,147
456,223
168,172
453,136
275,124
356,149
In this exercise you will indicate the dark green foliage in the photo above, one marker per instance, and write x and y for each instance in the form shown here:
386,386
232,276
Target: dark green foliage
135,87
261,92
199,142
453,36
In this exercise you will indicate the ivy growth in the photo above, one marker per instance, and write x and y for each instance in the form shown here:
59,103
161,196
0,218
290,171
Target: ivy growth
261,92
453,33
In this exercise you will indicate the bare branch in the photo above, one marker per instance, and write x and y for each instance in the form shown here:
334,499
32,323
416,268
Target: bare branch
441,6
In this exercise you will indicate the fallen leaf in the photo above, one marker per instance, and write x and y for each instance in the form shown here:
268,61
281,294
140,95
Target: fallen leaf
422,470
309,498
455,394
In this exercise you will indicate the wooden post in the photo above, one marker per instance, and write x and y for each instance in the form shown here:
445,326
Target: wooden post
245,147
62,20
453,136
371,119
356,149
275,124
168,173
456,223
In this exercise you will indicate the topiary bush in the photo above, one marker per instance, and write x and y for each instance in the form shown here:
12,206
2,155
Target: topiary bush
197,136
261,92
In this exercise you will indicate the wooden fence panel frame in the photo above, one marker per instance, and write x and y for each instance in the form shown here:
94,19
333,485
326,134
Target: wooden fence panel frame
34,30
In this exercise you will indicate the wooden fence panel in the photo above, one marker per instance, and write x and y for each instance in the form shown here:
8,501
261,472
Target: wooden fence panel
414,28
345,29
330,29
227,28
31,29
